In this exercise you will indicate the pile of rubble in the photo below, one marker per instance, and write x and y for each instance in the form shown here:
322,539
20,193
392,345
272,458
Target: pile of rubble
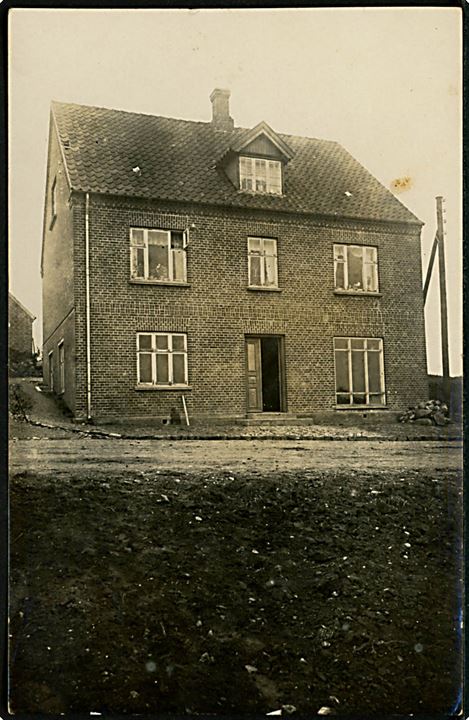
432,412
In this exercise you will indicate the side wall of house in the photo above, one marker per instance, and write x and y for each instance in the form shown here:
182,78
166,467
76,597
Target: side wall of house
58,273
217,309
20,337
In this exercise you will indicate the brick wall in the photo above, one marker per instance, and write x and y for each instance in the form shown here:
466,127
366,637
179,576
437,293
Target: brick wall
58,270
20,338
217,310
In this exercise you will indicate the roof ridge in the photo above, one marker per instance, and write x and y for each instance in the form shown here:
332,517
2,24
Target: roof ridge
208,123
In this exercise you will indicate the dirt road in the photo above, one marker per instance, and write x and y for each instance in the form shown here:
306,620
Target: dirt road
236,456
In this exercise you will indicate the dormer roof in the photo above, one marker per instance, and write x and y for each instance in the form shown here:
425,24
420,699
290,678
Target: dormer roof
246,140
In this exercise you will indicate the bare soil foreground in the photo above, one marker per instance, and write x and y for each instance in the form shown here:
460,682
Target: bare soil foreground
235,577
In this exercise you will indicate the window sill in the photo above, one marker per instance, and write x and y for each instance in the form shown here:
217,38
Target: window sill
137,281
261,288
261,193
361,408
358,293
164,388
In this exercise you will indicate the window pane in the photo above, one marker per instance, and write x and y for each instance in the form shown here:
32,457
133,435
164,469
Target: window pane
270,270
358,372
355,268
340,343
255,274
144,360
357,344
178,342
359,399
341,371
343,399
162,375
178,369
144,342
370,254
275,177
138,265
177,239
377,399
136,237
161,342
254,245
339,275
179,265
374,378
270,246
373,344
371,278
158,262
261,177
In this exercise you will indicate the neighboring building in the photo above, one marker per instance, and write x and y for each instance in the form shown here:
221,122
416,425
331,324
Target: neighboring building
247,270
20,329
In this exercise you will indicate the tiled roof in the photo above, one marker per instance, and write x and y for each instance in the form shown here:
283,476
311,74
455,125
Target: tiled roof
179,160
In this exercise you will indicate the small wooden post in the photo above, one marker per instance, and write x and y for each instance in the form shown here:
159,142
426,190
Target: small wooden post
185,409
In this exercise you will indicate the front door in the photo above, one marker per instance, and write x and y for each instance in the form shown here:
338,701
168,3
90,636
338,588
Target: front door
264,364
254,375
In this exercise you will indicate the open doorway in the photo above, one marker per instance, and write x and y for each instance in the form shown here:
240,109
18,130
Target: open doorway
265,372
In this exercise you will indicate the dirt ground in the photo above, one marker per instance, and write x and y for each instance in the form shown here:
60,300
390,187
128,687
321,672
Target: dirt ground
235,576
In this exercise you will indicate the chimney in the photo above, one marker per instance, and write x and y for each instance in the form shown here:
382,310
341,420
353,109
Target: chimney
221,119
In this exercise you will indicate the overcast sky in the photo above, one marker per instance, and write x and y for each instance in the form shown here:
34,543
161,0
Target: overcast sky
385,83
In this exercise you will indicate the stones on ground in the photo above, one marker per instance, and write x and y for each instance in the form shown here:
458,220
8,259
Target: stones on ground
432,412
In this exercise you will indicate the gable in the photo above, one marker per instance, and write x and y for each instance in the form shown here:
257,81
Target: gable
264,147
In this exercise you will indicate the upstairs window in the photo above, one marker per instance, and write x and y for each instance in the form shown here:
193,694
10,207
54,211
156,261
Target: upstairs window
158,255
359,371
262,262
162,359
260,175
356,268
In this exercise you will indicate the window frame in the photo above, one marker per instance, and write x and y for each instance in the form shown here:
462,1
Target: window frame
262,255
375,264
169,352
270,179
61,366
170,256
366,393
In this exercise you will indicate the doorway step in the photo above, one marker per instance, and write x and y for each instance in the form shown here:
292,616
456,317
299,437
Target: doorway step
271,418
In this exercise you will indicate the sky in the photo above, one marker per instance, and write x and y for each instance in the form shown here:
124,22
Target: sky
384,82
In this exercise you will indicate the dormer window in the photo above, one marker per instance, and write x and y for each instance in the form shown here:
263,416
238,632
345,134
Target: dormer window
260,175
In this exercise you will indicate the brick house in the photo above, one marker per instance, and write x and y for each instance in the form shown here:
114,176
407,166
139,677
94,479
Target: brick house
20,329
246,270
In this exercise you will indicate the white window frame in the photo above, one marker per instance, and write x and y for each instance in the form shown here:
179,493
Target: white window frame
51,370
273,178
344,247
154,351
61,363
366,394
262,254
134,245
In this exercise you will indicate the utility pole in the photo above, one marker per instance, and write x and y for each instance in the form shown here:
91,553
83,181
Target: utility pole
443,299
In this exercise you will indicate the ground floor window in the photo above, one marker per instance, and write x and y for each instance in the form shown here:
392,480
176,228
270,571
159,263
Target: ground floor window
162,359
359,371
61,352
